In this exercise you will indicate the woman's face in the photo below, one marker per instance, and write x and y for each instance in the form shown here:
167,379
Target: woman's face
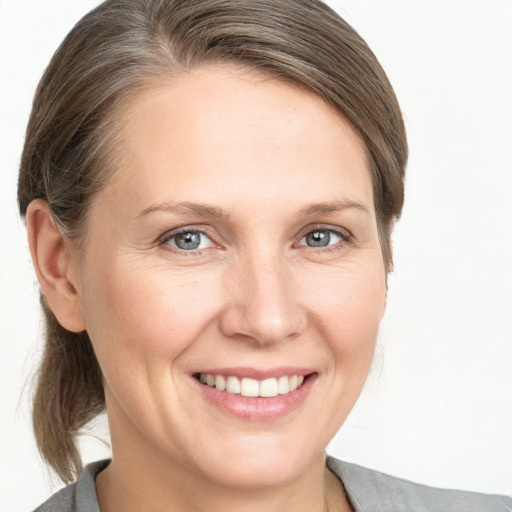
236,243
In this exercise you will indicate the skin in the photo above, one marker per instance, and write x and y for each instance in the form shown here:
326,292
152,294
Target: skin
254,295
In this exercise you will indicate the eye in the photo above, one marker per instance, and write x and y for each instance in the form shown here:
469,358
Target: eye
322,238
189,240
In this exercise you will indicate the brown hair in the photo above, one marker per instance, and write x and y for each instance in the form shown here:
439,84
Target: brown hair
125,45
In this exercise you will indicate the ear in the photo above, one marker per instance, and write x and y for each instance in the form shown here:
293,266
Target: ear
55,265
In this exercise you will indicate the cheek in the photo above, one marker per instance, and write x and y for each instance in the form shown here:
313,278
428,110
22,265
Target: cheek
348,304
139,314
348,313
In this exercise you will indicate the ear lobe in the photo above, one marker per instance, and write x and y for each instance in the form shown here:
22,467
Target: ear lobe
54,265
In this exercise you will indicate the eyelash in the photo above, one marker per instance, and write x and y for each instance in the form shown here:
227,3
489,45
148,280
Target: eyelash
167,237
344,235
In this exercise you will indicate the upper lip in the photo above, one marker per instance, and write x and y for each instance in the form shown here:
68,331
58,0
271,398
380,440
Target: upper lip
258,373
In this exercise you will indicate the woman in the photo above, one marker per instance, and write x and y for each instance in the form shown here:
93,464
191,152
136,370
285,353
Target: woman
209,190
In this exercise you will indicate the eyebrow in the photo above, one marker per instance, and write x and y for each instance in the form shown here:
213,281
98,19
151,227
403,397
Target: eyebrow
200,210
334,206
206,211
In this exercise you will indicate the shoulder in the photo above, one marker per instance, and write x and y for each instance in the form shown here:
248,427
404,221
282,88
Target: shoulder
79,496
370,490
61,501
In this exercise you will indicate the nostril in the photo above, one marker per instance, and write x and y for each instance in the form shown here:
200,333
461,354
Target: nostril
263,325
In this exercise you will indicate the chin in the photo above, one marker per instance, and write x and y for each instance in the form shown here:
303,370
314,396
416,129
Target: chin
259,461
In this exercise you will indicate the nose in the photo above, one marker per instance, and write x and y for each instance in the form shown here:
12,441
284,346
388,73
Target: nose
263,304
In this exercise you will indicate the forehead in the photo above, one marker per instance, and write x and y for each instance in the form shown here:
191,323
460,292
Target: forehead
226,125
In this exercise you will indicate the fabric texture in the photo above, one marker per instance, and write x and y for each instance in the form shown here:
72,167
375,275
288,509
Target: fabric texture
367,490
372,491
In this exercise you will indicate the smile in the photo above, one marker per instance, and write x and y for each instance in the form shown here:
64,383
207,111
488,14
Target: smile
256,394
249,387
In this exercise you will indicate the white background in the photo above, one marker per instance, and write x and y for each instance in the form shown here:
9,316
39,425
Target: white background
438,407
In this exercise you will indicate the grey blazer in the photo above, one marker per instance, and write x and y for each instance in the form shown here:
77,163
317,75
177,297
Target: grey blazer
371,491
367,490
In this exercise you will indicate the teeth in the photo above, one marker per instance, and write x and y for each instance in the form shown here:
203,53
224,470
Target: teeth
268,387
283,385
251,387
220,382
233,385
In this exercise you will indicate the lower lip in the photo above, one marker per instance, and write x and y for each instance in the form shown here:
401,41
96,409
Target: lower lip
258,408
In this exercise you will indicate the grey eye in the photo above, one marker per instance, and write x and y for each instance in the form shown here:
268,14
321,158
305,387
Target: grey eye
188,240
321,238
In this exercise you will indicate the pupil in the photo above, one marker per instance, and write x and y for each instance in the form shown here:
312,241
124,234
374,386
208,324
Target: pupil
318,238
188,240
